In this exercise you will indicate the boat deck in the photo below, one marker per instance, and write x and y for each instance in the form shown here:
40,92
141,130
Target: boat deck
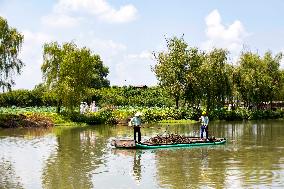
191,141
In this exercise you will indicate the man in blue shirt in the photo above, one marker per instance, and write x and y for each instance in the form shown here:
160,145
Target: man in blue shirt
204,124
136,124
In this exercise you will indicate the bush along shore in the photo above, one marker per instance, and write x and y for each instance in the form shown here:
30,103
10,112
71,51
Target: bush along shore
28,121
46,117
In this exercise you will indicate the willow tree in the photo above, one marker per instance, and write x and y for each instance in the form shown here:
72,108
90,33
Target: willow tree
10,45
172,67
273,74
193,91
259,78
69,72
216,78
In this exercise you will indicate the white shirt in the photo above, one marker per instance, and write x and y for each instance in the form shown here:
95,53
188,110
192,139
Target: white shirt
204,120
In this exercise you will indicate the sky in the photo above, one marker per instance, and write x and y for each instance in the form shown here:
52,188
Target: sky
125,33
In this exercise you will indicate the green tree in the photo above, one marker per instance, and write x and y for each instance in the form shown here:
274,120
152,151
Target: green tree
272,68
53,56
172,68
248,77
259,79
216,78
193,91
69,71
10,44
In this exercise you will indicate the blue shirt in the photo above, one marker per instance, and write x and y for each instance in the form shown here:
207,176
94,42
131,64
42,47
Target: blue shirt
135,121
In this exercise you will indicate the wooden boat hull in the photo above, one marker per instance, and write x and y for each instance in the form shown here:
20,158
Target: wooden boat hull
205,143
131,144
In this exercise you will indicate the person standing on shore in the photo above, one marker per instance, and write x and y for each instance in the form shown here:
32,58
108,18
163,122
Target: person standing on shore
204,124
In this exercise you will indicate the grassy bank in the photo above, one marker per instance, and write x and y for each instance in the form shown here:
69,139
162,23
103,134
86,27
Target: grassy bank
37,117
16,116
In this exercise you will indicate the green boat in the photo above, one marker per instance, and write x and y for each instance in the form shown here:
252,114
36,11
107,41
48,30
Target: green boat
145,145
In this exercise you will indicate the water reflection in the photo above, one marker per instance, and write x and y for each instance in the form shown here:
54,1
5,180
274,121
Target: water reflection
22,157
9,178
81,157
80,152
137,167
184,168
247,160
136,155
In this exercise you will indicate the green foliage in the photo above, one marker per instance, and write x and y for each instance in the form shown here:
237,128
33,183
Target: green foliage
112,116
21,98
172,67
27,98
26,110
100,117
195,76
244,114
216,78
155,114
10,44
131,96
69,72
113,96
258,79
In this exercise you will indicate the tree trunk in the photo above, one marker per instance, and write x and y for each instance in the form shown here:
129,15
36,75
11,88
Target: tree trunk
177,101
58,106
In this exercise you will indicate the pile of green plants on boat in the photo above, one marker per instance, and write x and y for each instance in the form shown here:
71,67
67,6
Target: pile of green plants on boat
169,139
176,139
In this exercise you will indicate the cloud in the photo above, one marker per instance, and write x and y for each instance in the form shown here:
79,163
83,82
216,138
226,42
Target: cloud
131,71
143,55
230,37
105,47
124,68
100,8
60,21
31,55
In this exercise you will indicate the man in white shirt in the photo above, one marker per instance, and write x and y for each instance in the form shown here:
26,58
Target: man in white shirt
204,124
136,124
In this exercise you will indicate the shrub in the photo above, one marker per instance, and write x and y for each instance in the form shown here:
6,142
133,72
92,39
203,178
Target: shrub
21,120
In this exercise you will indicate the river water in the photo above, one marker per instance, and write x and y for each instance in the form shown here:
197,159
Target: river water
82,157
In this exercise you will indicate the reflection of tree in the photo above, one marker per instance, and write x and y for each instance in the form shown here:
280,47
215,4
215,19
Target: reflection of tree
261,152
255,150
8,177
26,132
79,154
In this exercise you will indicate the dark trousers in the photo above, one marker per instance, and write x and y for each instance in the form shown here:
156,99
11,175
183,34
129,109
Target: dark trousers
137,130
202,129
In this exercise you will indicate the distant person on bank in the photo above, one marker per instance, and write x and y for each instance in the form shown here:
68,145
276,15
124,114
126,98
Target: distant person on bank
135,122
204,124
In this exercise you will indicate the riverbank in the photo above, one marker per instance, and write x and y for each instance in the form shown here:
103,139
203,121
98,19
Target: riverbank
27,121
47,117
